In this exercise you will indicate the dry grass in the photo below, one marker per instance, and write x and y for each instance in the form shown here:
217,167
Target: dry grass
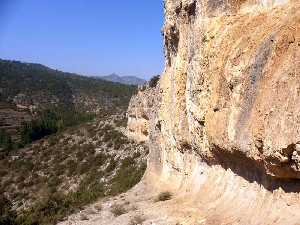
118,210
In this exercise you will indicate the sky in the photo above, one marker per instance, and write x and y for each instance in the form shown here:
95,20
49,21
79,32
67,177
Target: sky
89,37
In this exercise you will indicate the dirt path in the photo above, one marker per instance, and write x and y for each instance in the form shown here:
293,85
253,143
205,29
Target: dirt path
137,206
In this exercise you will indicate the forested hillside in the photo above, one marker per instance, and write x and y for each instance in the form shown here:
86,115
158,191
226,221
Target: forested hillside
36,101
61,143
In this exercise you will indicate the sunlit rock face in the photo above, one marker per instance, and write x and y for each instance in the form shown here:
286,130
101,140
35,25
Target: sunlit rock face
228,110
143,122
232,84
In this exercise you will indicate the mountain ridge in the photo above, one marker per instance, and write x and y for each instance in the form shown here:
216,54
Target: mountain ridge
27,89
129,80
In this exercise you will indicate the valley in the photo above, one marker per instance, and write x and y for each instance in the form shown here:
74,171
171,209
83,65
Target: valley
63,143
29,92
213,140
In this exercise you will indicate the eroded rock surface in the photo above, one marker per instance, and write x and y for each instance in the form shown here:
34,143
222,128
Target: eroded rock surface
232,82
229,111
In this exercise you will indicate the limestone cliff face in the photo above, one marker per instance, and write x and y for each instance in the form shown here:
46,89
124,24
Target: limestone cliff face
232,82
229,107
143,123
142,111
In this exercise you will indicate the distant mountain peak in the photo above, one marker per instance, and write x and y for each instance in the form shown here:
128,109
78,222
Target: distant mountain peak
131,80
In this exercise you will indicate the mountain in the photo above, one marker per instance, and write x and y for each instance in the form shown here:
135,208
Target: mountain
129,80
62,143
27,89
29,84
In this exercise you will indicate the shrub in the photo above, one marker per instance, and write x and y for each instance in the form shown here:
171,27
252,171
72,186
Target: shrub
7,216
136,155
127,176
121,122
154,80
118,210
83,168
114,136
112,165
71,165
3,172
51,121
98,207
6,143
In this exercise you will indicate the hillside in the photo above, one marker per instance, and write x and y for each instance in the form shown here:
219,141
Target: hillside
62,143
47,180
28,89
34,86
129,80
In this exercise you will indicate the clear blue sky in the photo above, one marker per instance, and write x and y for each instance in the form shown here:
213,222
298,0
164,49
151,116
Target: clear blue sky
92,37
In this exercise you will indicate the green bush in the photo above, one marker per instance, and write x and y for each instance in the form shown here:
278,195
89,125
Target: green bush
127,176
50,122
6,143
114,137
154,81
118,210
7,215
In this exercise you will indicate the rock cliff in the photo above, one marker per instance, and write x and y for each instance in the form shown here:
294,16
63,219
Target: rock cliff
225,130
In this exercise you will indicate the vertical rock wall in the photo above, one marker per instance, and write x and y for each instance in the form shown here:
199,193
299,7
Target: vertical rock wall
228,109
231,82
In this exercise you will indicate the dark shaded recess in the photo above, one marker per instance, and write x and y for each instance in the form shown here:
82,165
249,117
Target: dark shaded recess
158,125
174,39
144,116
288,152
283,167
172,42
252,171
230,87
145,132
185,146
191,9
178,9
201,122
259,145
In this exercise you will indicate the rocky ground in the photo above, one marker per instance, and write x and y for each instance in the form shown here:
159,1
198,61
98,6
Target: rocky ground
140,205
71,169
219,198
